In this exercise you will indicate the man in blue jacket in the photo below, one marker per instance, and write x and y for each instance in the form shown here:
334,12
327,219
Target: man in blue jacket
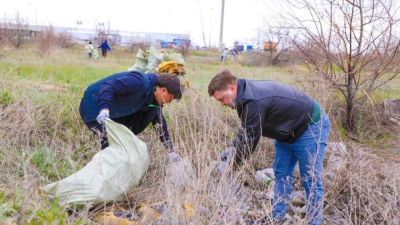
297,124
133,99
104,47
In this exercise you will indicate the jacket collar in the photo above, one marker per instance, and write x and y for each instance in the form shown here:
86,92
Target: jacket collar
153,80
241,93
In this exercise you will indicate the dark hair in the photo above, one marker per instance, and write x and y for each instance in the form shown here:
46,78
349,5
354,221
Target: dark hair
172,83
221,81
90,42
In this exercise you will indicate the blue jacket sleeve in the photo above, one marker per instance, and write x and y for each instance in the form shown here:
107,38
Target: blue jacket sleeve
248,135
120,86
108,47
162,131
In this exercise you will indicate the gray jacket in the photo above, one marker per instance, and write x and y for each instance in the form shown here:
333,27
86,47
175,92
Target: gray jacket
269,109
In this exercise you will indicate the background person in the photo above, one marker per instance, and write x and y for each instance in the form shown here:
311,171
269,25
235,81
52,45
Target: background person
297,124
224,54
89,50
233,54
133,99
104,47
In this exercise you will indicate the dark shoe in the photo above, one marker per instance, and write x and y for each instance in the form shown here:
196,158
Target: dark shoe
265,221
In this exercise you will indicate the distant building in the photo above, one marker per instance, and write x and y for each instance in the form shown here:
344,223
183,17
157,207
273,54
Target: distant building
270,46
22,32
120,37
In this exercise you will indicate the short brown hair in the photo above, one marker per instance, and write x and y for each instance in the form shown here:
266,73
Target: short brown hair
172,83
221,81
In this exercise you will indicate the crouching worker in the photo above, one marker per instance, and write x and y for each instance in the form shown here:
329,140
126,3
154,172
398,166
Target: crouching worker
133,99
297,124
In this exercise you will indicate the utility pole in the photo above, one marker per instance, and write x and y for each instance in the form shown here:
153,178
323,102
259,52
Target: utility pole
169,11
36,13
202,27
221,32
209,39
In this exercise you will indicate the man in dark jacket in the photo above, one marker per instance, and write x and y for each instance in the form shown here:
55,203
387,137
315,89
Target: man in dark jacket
133,99
298,126
104,47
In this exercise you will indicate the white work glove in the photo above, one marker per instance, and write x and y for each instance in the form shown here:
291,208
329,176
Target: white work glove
173,157
102,116
227,155
222,168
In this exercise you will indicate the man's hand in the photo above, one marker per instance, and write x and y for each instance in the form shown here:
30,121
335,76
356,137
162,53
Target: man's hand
173,157
227,155
104,113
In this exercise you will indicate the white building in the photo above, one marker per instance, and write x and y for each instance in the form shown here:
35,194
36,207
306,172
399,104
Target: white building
122,37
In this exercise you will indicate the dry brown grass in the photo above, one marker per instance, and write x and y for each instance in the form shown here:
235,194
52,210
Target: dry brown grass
42,140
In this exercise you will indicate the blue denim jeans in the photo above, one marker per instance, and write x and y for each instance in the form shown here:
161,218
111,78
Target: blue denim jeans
309,151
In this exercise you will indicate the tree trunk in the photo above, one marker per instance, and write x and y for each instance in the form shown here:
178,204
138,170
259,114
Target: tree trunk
350,104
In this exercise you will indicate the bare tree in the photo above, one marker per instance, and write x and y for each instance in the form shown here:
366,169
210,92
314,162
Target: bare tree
2,40
14,31
133,42
278,43
65,40
103,33
113,37
275,42
46,41
353,44
184,45
144,44
258,41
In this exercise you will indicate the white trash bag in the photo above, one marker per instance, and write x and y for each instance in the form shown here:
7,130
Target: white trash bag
95,54
111,173
142,58
155,58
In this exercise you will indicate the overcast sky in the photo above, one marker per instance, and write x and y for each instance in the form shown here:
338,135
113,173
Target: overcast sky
241,20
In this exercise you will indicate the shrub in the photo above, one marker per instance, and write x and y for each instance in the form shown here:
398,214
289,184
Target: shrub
64,40
264,59
46,41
